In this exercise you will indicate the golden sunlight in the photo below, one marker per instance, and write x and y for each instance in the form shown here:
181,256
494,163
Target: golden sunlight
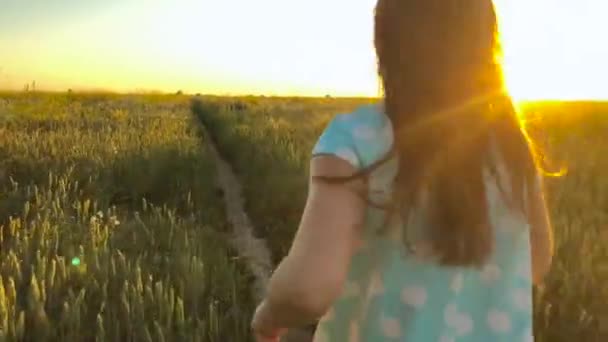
551,50
272,47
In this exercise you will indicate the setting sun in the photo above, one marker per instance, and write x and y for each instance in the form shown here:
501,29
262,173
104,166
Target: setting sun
552,48
190,170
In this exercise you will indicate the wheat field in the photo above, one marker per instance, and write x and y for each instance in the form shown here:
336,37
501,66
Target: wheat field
113,228
269,143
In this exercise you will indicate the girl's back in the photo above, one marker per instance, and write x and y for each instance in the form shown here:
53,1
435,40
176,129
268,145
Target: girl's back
394,293
425,219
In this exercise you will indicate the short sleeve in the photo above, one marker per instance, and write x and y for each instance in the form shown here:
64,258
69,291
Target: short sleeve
337,140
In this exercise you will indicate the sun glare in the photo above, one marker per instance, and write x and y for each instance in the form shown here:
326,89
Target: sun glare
550,48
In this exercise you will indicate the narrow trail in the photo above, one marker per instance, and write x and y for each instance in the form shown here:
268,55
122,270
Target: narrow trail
253,250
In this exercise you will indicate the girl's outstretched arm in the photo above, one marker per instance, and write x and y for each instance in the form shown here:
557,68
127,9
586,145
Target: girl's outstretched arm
312,276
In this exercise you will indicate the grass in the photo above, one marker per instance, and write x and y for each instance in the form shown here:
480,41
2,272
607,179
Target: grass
269,142
111,228
124,185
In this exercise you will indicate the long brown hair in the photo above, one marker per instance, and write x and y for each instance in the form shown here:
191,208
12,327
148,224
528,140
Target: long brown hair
443,91
444,94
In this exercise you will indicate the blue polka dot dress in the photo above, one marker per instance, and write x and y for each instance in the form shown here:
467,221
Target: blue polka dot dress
396,294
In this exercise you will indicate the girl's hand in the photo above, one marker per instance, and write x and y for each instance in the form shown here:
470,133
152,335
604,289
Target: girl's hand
263,328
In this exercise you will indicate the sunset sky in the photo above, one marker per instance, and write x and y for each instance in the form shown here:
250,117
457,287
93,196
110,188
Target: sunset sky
553,48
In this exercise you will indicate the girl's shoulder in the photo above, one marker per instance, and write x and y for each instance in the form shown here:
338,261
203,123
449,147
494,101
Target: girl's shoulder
361,137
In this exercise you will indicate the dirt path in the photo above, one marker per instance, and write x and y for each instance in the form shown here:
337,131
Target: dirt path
250,248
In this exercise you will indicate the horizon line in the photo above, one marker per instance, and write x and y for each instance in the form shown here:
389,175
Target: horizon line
4,91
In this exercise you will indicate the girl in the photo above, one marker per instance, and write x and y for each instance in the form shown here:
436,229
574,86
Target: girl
425,219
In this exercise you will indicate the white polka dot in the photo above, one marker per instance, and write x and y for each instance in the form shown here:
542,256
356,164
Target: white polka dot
348,155
490,274
499,321
354,332
464,324
522,299
415,296
364,132
457,283
351,289
461,322
390,327
343,117
446,338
